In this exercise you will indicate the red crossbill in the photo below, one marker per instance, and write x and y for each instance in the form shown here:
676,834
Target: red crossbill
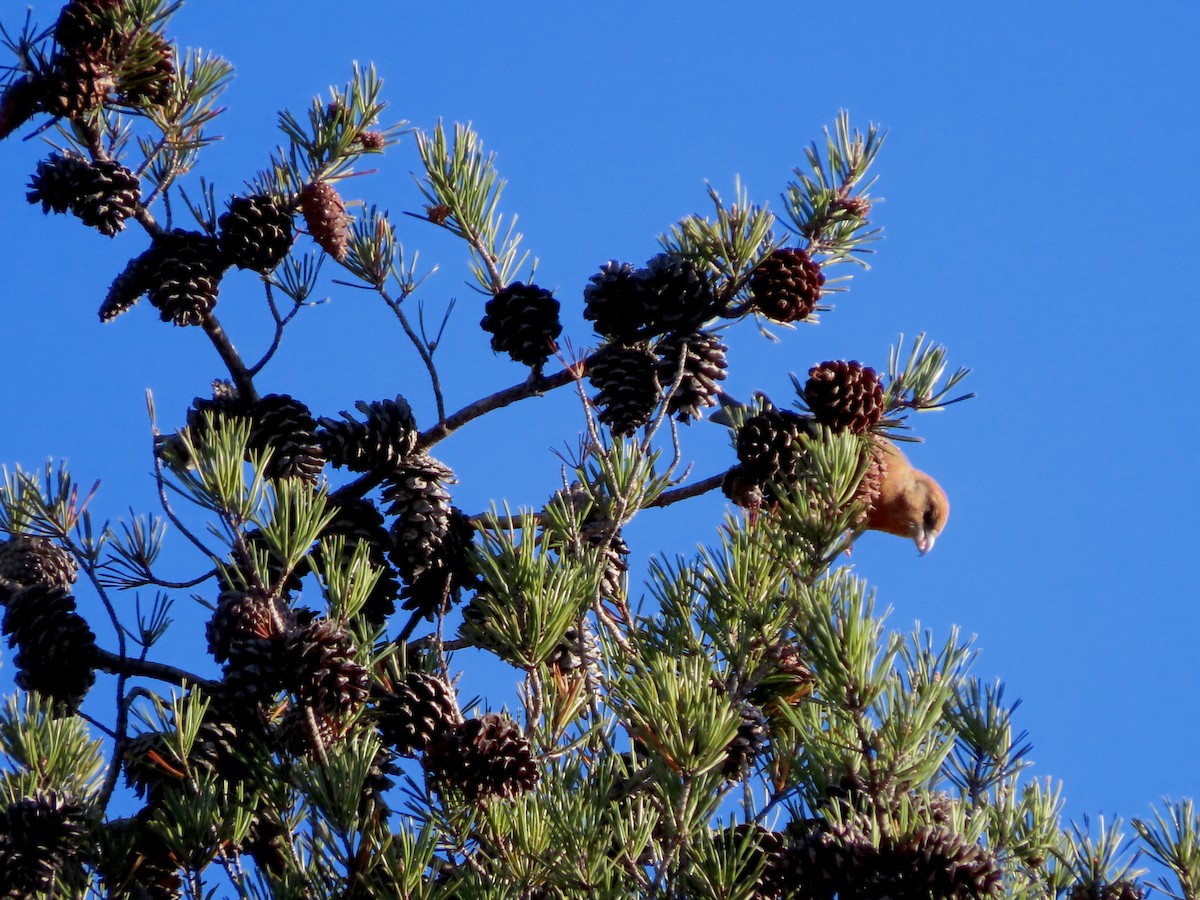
910,503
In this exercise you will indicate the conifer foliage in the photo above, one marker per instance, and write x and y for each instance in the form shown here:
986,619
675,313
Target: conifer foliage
753,729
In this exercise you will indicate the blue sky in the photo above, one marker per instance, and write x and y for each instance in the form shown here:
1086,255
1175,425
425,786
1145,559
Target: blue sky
1040,184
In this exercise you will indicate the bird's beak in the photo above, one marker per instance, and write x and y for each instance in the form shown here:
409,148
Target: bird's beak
925,541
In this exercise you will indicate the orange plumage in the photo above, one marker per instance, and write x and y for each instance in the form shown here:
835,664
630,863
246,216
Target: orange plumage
910,503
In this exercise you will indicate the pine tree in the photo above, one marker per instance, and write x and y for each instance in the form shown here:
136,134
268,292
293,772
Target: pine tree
755,731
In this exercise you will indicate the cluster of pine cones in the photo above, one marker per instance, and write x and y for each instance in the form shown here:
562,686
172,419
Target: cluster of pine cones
482,758
99,57
843,396
55,647
652,321
859,852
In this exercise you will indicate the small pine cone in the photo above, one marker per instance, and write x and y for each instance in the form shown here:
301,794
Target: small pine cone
786,286
112,196
127,288
256,233
579,648
325,214
627,385
677,294
75,86
441,581
854,207
613,301
747,744
41,836
372,141
28,560
417,497
322,671
56,648
297,734
243,616
387,434
845,396
187,270
484,758
704,367
87,27
414,711
146,77
18,102
359,521
523,322
284,425
766,445
60,182
614,556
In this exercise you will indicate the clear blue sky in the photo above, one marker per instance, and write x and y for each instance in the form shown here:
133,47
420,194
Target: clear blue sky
1040,180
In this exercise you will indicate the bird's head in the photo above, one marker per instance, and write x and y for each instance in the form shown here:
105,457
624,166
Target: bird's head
933,507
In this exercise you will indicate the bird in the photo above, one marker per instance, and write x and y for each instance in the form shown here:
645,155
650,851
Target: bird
910,503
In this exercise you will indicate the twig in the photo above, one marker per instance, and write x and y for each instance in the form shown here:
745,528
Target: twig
114,664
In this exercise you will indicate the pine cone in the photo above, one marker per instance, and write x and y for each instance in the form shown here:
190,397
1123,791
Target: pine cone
134,862
627,386
853,207
56,648
578,649
416,496
87,27
484,758
614,556
102,194
743,488
243,616
442,580
845,396
325,214
677,294
127,288
256,233
257,670
786,285
414,711
766,445
613,300
60,181
382,440
358,521
27,560
41,836
18,102
747,744
75,86
704,367
523,322
187,270
322,670
284,425
296,733
940,863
